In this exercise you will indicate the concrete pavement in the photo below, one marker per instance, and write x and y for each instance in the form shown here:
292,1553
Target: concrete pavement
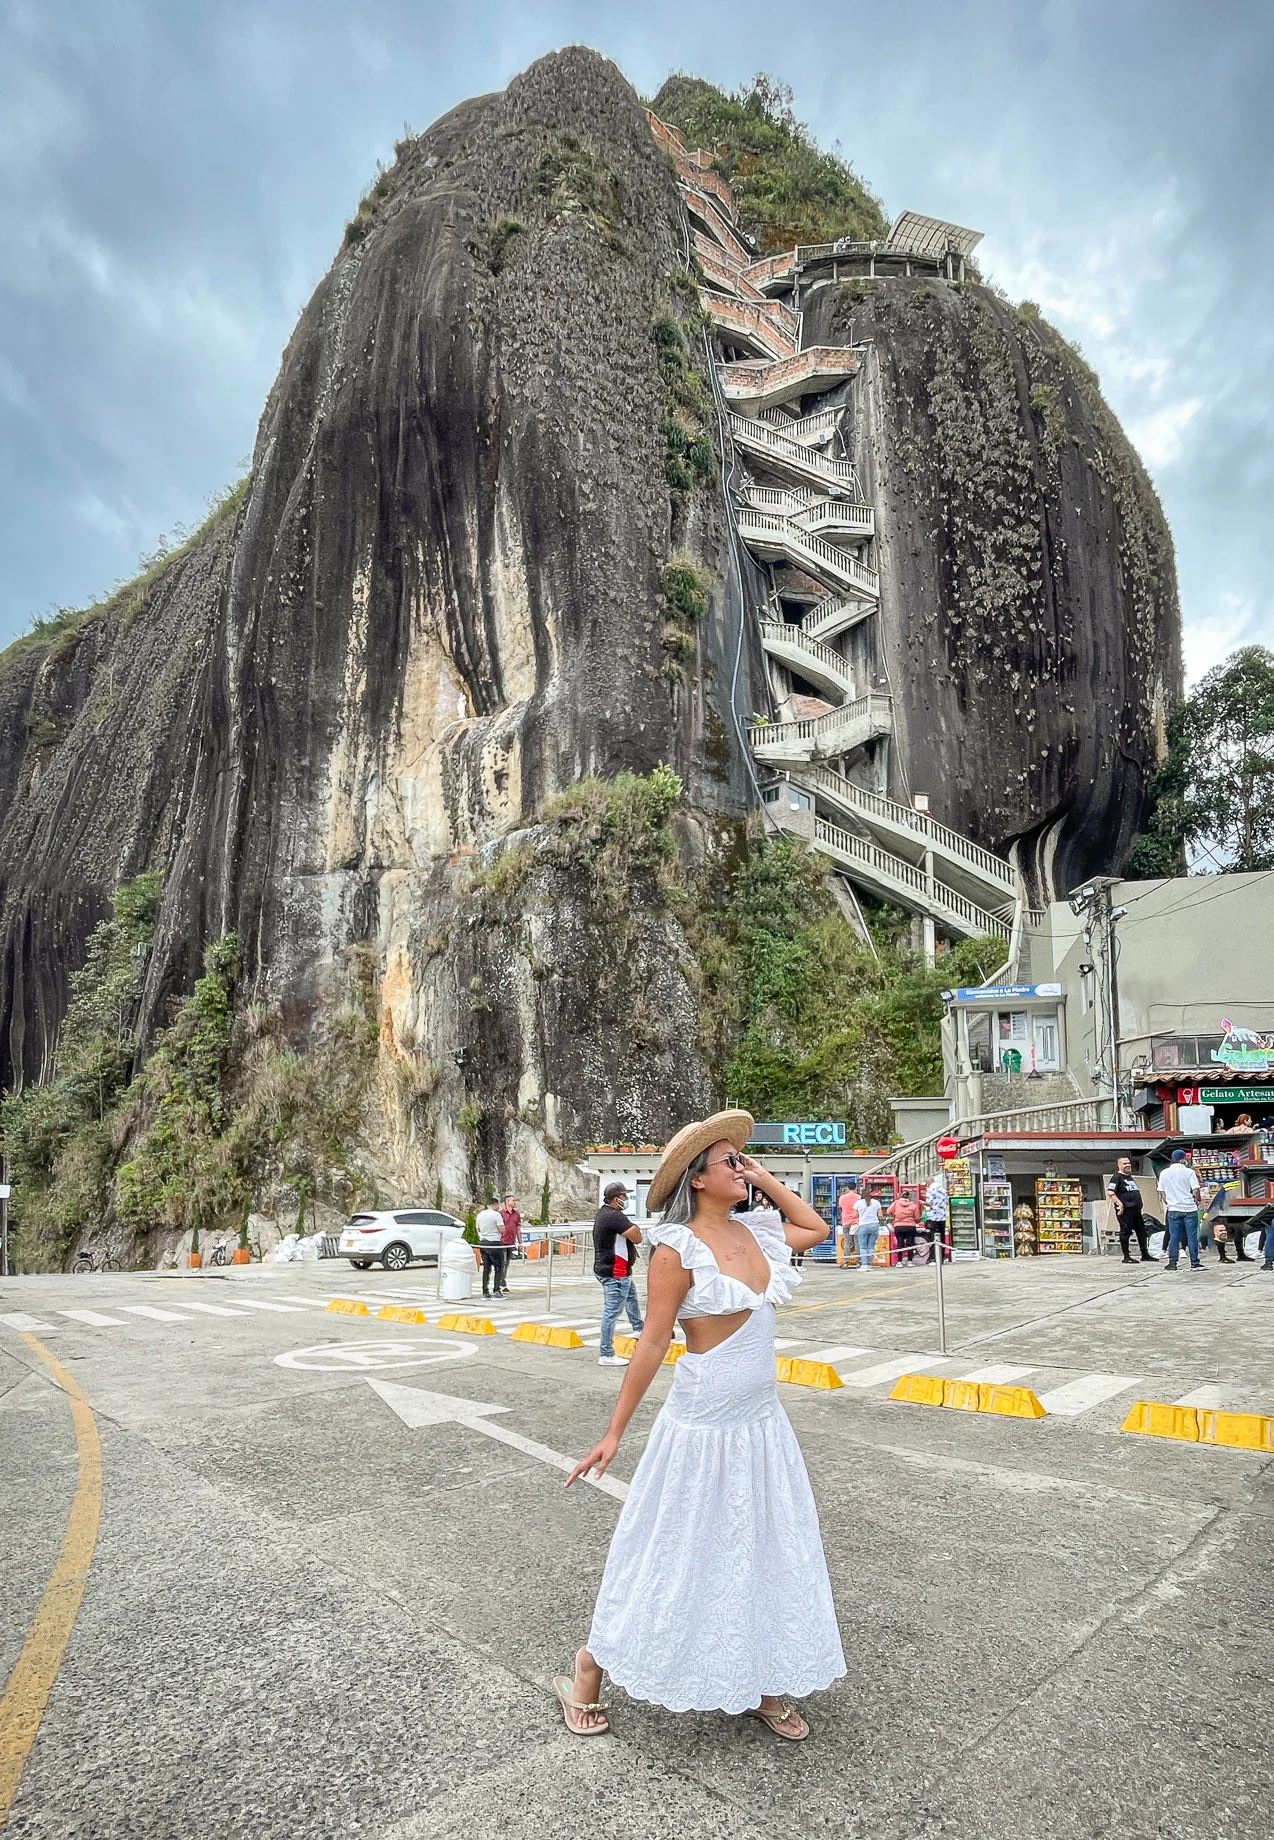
305,1617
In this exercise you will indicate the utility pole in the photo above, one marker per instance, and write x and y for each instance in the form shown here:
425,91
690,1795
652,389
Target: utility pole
4,1217
1094,903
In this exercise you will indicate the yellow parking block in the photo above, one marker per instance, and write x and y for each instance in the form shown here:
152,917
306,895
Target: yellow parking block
466,1325
920,1390
1237,1430
1153,1418
400,1312
627,1344
1010,1401
545,1337
807,1373
968,1396
348,1306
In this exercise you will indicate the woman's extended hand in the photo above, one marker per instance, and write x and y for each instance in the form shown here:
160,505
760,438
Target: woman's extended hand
600,1458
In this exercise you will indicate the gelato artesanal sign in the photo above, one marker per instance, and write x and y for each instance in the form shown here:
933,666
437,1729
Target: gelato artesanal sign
1244,1051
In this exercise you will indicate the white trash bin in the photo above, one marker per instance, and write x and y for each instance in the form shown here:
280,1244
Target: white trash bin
456,1259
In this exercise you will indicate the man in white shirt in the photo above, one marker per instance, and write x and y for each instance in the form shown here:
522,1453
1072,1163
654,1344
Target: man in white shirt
495,1253
1179,1190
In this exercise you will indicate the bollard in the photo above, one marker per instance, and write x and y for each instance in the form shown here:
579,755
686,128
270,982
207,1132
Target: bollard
548,1291
939,1247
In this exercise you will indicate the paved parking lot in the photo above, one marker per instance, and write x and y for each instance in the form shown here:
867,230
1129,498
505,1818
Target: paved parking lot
323,1602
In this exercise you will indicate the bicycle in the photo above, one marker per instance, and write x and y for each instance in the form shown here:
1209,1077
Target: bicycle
87,1260
220,1254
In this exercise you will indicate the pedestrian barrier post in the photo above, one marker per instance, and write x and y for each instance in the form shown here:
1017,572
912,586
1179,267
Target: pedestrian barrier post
939,1235
548,1293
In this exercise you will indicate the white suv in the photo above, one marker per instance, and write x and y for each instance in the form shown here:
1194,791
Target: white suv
397,1237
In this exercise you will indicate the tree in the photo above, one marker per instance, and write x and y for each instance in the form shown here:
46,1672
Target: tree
1214,793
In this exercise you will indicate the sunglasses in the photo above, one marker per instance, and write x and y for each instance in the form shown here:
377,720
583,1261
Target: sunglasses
733,1161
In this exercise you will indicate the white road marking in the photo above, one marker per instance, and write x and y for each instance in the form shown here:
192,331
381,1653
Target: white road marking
1213,1397
93,1318
354,1357
418,1409
1078,1395
148,1309
831,1355
785,1341
891,1370
309,1303
1003,1375
209,1309
259,1303
31,1324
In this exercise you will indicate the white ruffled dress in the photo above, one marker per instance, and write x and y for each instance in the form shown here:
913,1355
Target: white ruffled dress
715,1590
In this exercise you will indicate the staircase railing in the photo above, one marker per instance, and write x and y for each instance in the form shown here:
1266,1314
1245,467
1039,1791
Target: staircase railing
817,555
919,1162
776,633
933,896
874,711
751,431
994,868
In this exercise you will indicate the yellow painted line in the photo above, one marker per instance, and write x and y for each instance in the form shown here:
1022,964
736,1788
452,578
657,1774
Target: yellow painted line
399,1312
466,1325
1201,1425
36,1668
806,1373
842,1303
968,1396
627,1344
348,1306
545,1336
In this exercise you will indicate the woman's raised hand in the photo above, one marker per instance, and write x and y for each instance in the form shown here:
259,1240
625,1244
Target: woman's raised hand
600,1458
758,1177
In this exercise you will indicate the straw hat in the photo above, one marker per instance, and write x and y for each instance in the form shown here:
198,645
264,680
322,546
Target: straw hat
682,1150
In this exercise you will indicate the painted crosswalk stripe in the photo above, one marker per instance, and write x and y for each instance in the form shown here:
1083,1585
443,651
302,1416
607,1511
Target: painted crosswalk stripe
259,1303
1003,1375
1215,1398
785,1341
148,1309
832,1355
93,1318
1079,1395
892,1370
31,1324
208,1309
308,1303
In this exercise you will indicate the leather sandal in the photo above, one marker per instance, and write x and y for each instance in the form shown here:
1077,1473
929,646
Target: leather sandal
775,1720
564,1689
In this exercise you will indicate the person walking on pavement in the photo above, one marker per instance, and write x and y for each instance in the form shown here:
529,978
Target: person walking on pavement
491,1246
1179,1190
615,1241
1126,1197
868,1230
715,1595
847,1205
511,1237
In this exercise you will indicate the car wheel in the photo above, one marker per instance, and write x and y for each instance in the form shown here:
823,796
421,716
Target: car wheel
396,1257
361,1264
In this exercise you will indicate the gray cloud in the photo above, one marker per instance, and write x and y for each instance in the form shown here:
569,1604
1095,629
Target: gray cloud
174,179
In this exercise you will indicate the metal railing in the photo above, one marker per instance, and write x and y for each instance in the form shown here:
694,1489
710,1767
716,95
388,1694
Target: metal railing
919,823
919,1162
934,896
777,633
872,715
824,560
832,617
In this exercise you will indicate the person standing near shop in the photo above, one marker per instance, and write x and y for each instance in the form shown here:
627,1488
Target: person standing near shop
1126,1196
494,1256
936,1205
905,1218
615,1241
868,1230
847,1206
1179,1189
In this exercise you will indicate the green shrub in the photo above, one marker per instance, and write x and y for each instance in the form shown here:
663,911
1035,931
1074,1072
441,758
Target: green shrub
507,229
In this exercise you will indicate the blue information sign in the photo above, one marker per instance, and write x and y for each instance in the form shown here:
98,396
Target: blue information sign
807,1134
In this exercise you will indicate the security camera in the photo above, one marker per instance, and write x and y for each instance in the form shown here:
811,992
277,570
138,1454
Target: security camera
1117,913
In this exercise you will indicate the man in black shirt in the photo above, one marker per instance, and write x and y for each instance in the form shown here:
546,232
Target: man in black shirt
1127,1199
614,1255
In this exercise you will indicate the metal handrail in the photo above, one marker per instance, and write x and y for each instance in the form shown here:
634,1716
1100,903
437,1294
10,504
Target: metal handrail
920,1158
813,551
778,632
870,709
904,818
936,894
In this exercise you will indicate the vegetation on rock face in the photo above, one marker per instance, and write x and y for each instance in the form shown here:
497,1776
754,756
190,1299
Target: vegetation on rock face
689,456
221,1107
686,596
786,189
1214,791
805,1021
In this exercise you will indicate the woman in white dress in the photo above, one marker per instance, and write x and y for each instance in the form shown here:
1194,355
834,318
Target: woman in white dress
715,1594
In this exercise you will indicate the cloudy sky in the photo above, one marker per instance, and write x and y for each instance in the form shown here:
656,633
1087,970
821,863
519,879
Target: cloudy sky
175,177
